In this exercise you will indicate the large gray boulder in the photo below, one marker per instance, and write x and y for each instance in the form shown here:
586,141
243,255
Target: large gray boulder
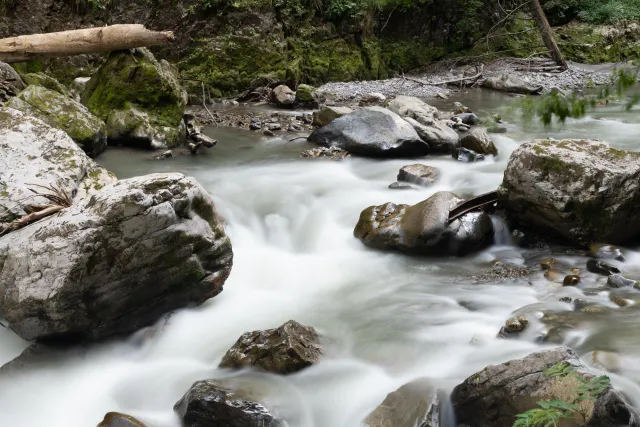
580,191
64,113
115,261
372,132
283,96
284,350
32,152
414,404
212,403
511,83
424,228
11,83
495,395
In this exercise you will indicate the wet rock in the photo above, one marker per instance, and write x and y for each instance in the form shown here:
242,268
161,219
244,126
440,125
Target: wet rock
566,299
601,267
605,251
164,155
440,137
39,355
580,303
414,404
548,263
410,106
11,83
496,128
212,403
424,228
511,83
513,326
32,152
419,174
465,155
274,127
619,281
401,186
620,302
268,132
500,272
458,108
468,119
139,98
477,140
571,280
284,350
576,271
283,96
116,419
573,190
328,114
62,112
255,124
554,275
495,395
131,252
333,153
372,132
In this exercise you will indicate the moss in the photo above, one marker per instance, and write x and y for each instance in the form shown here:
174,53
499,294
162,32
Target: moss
41,79
204,210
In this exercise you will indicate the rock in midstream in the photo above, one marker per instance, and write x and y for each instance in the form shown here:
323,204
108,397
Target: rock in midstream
619,281
605,251
577,191
424,228
479,141
601,267
419,174
116,419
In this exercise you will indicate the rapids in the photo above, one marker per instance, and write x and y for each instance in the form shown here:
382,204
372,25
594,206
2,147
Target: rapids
391,318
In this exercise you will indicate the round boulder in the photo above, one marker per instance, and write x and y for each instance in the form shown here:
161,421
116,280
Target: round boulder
283,96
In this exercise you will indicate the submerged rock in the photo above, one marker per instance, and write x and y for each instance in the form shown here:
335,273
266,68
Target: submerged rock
601,267
116,419
328,114
605,251
284,350
283,96
468,119
548,263
372,132
511,83
212,403
414,404
575,190
619,281
333,153
41,79
419,174
401,186
465,155
424,228
62,112
114,262
11,83
495,395
478,141
139,98
34,153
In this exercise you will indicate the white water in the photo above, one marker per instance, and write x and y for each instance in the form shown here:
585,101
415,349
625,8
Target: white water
391,318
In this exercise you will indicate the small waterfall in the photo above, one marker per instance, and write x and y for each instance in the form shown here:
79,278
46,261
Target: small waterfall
502,235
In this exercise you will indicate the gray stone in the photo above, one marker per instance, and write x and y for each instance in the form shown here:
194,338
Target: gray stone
468,119
372,132
115,261
410,106
328,114
283,96
284,350
64,113
32,152
467,156
11,83
495,395
333,153
479,141
414,404
579,191
401,186
419,174
424,228
619,281
605,251
511,83
440,137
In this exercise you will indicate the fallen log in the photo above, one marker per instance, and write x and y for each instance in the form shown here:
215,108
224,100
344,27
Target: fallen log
76,42
28,219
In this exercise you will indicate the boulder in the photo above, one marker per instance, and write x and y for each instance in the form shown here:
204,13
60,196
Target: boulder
305,93
115,261
328,114
495,395
116,419
479,141
465,155
41,79
424,228
469,119
372,132
513,326
414,404
605,251
440,137
64,113
619,281
372,98
600,267
289,348
283,96
419,174
511,83
577,190
32,152
11,83
139,98
410,106
212,403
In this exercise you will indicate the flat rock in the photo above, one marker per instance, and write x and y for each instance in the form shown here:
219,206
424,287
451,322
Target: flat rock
419,174
511,83
410,106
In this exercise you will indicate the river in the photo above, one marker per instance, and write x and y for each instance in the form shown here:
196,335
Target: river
391,318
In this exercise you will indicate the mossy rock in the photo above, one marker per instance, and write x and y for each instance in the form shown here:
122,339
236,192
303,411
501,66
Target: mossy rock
305,93
62,112
135,81
41,79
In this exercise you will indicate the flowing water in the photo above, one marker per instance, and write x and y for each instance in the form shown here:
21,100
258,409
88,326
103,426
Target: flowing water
391,318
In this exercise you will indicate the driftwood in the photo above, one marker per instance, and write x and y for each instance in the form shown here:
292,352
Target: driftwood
473,204
76,42
473,78
32,217
59,200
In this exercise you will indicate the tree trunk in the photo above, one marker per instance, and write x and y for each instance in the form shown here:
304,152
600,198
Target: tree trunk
547,33
76,42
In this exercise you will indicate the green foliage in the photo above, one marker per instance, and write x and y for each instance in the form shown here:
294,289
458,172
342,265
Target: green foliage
551,412
592,11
